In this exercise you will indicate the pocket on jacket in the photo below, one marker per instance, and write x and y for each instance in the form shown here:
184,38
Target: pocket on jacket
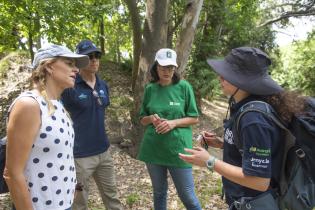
263,201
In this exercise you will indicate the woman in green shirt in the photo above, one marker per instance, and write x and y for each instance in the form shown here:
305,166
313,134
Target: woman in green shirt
168,111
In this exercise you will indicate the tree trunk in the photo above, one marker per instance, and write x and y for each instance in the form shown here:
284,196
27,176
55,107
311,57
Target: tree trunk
37,29
154,38
137,33
118,52
186,37
170,35
102,35
30,45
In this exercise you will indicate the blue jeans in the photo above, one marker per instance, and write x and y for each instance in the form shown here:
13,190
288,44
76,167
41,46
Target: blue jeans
183,181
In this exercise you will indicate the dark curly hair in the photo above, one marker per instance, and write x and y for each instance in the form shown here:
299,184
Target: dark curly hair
287,104
155,76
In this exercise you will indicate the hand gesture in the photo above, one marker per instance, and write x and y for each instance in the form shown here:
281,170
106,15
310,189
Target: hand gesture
198,156
165,126
212,139
155,119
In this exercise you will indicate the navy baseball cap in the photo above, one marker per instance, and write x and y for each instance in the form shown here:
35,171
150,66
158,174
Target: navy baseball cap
85,47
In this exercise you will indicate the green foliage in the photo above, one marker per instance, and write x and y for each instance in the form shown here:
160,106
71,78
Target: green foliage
17,57
119,107
4,66
64,22
297,70
122,101
204,81
126,65
224,25
209,190
132,199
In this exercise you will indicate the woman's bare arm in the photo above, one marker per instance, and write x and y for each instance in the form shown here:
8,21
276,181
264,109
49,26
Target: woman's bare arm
23,126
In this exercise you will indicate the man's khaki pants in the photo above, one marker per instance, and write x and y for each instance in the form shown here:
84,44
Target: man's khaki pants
102,169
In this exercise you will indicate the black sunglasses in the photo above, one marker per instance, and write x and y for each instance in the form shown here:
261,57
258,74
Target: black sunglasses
79,187
95,55
98,98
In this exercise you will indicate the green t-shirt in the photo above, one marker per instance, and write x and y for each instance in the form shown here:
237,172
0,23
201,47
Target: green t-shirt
170,102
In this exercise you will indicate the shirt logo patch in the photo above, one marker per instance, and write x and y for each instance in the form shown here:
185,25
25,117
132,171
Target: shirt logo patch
82,96
228,136
174,103
259,152
169,54
102,93
259,163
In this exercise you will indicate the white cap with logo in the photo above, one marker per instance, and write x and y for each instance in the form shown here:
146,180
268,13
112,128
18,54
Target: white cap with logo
166,57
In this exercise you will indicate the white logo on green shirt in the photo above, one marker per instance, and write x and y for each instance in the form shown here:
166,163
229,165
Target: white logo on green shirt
174,103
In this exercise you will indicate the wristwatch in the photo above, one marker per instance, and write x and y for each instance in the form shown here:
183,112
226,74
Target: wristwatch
210,162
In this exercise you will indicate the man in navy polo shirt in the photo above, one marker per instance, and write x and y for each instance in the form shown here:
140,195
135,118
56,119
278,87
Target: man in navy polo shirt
86,103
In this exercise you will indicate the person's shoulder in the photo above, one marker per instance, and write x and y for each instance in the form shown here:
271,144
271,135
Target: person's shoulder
184,83
101,81
150,85
26,104
257,118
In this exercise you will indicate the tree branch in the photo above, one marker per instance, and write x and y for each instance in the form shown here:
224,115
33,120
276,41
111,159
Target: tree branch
287,15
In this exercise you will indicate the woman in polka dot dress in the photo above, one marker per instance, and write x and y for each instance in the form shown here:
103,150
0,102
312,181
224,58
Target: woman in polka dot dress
40,168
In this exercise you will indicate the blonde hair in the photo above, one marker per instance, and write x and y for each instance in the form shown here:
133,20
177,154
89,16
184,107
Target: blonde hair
38,80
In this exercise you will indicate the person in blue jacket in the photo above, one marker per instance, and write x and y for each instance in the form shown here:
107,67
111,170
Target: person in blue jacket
86,103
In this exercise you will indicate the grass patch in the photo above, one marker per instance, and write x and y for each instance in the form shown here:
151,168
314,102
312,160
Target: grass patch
132,199
119,107
207,187
4,66
121,101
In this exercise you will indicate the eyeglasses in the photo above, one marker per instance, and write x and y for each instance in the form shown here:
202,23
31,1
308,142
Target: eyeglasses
79,187
166,68
95,55
98,98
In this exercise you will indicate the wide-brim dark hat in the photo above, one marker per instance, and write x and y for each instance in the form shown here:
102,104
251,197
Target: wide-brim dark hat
86,47
247,69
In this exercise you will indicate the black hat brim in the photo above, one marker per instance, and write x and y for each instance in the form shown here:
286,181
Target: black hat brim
255,84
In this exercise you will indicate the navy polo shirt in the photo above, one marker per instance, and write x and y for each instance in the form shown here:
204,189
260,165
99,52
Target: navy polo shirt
262,148
87,111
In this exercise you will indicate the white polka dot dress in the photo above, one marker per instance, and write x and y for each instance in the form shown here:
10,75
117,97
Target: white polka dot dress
50,170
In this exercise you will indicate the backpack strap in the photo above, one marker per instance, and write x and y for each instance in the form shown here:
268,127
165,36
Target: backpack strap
252,106
267,110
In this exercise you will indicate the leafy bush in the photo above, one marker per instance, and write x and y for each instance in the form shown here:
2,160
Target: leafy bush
4,66
297,71
132,199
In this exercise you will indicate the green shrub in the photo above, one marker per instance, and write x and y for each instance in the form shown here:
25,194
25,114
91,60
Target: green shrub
4,66
132,199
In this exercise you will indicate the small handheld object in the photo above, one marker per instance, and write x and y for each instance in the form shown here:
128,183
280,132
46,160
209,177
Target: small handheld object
201,138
